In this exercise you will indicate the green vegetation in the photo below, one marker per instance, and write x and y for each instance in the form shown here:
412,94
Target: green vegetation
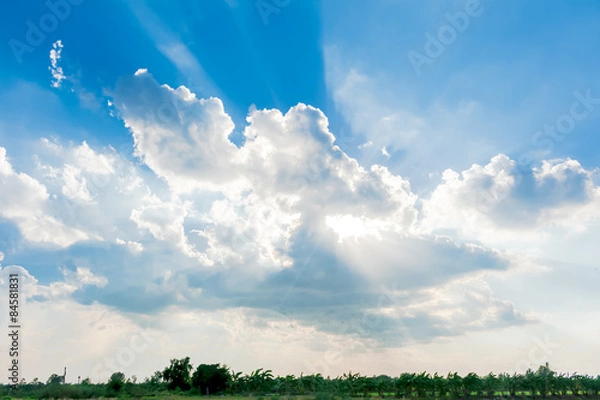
180,379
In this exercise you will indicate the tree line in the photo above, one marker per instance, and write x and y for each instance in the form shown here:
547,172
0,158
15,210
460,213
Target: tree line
215,379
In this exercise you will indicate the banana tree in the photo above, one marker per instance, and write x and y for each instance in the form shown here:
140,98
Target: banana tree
351,381
440,386
423,384
471,384
405,384
287,385
545,379
310,383
576,384
594,385
365,385
383,384
511,383
261,381
491,384
562,384
455,384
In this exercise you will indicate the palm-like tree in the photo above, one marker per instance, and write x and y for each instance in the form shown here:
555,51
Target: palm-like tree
405,384
383,384
364,385
455,384
440,386
576,384
562,384
529,382
472,384
287,385
423,384
491,384
545,379
235,383
317,383
594,385
261,380
351,381
511,383
542,381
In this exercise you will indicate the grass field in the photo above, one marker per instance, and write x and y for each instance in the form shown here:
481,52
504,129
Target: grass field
319,396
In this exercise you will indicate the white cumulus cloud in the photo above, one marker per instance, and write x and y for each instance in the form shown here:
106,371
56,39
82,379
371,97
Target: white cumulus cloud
55,69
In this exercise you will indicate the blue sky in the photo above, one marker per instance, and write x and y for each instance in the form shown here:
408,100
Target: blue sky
310,186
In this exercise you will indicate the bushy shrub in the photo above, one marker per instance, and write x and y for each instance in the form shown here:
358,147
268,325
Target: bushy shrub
116,381
58,391
211,378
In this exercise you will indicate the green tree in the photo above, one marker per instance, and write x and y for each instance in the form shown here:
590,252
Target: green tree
545,379
491,384
54,379
383,384
472,383
365,385
423,384
288,384
530,382
116,381
211,378
440,386
261,381
177,375
236,382
511,383
594,385
562,385
350,383
455,384
155,381
576,384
